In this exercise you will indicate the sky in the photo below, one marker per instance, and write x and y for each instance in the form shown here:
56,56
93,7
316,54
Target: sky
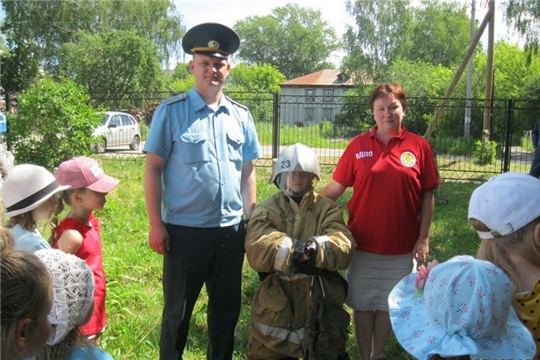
333,11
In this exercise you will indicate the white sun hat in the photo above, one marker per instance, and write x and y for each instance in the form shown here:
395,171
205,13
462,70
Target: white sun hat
460,307
505,203
26,187
73,291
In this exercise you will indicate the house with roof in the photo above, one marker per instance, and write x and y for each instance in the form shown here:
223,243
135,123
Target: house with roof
313,98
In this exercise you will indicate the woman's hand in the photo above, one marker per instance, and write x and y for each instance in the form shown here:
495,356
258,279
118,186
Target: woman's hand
421,250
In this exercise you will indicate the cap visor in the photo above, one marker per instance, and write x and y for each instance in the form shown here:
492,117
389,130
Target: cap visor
214,54
104,185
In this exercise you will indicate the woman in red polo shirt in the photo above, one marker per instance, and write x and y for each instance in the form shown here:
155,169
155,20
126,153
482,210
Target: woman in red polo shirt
393,175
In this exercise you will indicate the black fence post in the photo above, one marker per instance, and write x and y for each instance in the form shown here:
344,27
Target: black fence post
275,132
508,136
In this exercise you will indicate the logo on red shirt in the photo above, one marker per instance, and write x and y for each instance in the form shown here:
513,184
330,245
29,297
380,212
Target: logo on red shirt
408,159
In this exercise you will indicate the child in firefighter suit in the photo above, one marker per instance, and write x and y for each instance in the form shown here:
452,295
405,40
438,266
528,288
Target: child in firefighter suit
297,241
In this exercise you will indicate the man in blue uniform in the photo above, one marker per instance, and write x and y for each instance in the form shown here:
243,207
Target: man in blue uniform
199,183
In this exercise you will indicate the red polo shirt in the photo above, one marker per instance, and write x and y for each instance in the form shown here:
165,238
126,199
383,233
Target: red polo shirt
388,182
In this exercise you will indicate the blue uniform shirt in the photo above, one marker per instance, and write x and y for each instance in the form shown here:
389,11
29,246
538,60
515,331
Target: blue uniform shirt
203,151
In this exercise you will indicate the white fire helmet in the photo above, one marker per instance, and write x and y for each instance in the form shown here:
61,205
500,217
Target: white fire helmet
297,170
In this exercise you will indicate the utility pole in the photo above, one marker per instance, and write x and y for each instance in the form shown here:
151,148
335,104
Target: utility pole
467,123
489,76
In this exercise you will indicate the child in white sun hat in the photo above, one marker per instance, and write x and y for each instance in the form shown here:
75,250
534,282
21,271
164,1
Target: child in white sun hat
73,302
28,194
505,211
79,233
460,309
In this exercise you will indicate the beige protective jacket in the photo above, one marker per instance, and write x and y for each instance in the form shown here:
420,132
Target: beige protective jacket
296,314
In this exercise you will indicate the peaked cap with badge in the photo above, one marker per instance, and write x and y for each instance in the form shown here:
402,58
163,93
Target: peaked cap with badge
211,39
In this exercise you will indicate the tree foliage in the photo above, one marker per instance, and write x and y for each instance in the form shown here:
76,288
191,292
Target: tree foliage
183,80
293,39
382,28
54,122
431,32
254,86
440,34
35,30
264,77
112,65
524,15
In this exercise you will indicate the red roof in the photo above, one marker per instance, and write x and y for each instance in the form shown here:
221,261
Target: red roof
328,77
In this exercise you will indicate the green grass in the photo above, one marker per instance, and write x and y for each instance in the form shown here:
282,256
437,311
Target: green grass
133,270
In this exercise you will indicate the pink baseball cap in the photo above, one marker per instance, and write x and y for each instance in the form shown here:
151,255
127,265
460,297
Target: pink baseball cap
84,172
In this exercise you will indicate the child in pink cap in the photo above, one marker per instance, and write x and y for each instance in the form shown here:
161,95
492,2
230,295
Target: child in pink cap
79,232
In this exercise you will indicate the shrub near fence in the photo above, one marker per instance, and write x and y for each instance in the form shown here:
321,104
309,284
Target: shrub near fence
455,143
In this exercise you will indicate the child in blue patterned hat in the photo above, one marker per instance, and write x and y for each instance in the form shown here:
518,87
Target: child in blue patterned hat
461,309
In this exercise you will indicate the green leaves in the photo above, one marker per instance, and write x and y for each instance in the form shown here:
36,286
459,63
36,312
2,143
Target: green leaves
35,30
293,39
112,65
54,122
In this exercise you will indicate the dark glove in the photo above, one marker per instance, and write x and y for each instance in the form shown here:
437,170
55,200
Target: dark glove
305,248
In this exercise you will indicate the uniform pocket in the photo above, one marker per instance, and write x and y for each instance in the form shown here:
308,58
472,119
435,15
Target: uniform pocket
273,320
270,307
235,141
194,147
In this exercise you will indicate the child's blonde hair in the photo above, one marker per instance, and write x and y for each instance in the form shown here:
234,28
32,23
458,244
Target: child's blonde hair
63,197
25,220
498,249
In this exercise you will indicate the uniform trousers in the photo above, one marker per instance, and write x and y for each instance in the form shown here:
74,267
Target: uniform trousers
197,256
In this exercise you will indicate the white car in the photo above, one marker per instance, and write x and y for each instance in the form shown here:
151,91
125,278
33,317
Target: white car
117,129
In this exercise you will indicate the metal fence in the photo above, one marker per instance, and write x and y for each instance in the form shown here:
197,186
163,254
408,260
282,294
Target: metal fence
328,124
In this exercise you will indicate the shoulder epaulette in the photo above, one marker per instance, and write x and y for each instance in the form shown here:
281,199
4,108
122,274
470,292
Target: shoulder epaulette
175,98
237,103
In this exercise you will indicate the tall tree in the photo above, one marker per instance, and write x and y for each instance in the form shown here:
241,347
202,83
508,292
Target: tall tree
431,32
382,28
34,30
293,39
112,65
441,33
524,15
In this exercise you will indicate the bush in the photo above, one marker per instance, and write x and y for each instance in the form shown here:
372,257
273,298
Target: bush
54,122
144,130
327,129
485,154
